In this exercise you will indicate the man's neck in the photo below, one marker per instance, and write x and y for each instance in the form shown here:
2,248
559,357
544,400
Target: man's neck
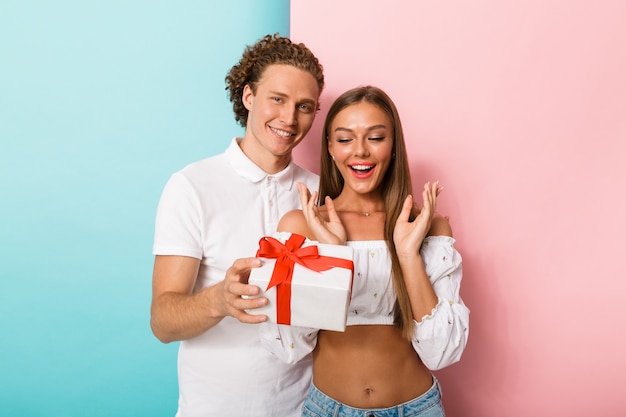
265,160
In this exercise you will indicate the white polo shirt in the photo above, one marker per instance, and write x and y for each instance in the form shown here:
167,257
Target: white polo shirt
216,210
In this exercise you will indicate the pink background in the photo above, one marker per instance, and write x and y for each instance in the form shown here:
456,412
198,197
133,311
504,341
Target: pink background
518,108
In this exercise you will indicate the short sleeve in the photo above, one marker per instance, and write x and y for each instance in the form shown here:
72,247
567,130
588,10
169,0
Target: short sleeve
178,228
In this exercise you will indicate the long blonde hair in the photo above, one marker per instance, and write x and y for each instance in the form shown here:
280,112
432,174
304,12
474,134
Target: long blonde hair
396,185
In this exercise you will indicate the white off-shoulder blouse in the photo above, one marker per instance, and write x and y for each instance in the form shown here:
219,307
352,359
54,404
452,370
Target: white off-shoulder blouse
439,338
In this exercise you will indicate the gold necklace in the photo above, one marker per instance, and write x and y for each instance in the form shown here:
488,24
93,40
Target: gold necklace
362,213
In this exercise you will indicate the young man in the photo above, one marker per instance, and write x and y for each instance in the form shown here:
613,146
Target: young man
210,218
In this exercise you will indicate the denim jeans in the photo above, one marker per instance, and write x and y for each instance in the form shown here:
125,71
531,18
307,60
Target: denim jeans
318,404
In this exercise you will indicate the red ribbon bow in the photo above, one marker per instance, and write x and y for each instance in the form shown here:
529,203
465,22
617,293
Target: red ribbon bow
287,256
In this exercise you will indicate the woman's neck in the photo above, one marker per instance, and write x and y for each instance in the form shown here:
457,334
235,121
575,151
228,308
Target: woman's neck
365,205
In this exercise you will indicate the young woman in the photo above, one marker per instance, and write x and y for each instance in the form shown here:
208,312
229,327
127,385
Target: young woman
406,316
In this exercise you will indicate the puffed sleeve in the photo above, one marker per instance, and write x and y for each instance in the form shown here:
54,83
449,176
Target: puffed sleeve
440,337
288,343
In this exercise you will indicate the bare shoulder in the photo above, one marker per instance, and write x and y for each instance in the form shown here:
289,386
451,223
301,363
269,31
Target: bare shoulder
440,226
294,222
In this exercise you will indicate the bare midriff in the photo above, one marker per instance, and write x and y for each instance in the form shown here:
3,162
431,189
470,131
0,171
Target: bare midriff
369,366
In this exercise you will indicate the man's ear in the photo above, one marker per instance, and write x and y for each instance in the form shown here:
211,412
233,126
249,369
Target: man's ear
247,97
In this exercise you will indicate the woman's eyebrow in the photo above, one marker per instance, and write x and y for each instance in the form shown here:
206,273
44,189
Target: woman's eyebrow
345,129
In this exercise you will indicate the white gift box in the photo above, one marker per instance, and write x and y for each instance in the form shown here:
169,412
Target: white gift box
318,299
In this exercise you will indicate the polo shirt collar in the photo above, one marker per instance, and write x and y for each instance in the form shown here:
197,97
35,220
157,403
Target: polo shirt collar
251,171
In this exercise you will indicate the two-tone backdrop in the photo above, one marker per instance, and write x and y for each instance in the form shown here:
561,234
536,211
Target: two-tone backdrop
517,108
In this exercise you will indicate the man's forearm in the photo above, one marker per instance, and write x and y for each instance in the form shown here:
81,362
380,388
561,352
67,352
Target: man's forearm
176,316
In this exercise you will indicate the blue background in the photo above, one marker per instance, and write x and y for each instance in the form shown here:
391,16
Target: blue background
100,102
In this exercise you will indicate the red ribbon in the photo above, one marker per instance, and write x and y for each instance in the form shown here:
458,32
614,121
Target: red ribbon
287,256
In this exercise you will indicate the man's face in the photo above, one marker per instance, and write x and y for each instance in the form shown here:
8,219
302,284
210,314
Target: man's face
280,113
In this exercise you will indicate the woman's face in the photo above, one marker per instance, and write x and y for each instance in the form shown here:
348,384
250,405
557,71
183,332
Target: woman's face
360,142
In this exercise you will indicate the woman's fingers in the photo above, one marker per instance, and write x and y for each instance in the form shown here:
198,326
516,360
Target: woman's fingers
330,209
429,195
308,202
405,214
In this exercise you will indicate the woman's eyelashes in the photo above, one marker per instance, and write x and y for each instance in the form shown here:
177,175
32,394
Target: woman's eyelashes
373,139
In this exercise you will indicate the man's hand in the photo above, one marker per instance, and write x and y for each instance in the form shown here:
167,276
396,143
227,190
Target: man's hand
231,292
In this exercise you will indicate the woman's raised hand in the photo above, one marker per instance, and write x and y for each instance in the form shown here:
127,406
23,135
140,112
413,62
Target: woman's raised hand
408,236
329,231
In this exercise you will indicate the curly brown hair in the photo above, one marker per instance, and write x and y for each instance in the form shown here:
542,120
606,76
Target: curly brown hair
256,58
